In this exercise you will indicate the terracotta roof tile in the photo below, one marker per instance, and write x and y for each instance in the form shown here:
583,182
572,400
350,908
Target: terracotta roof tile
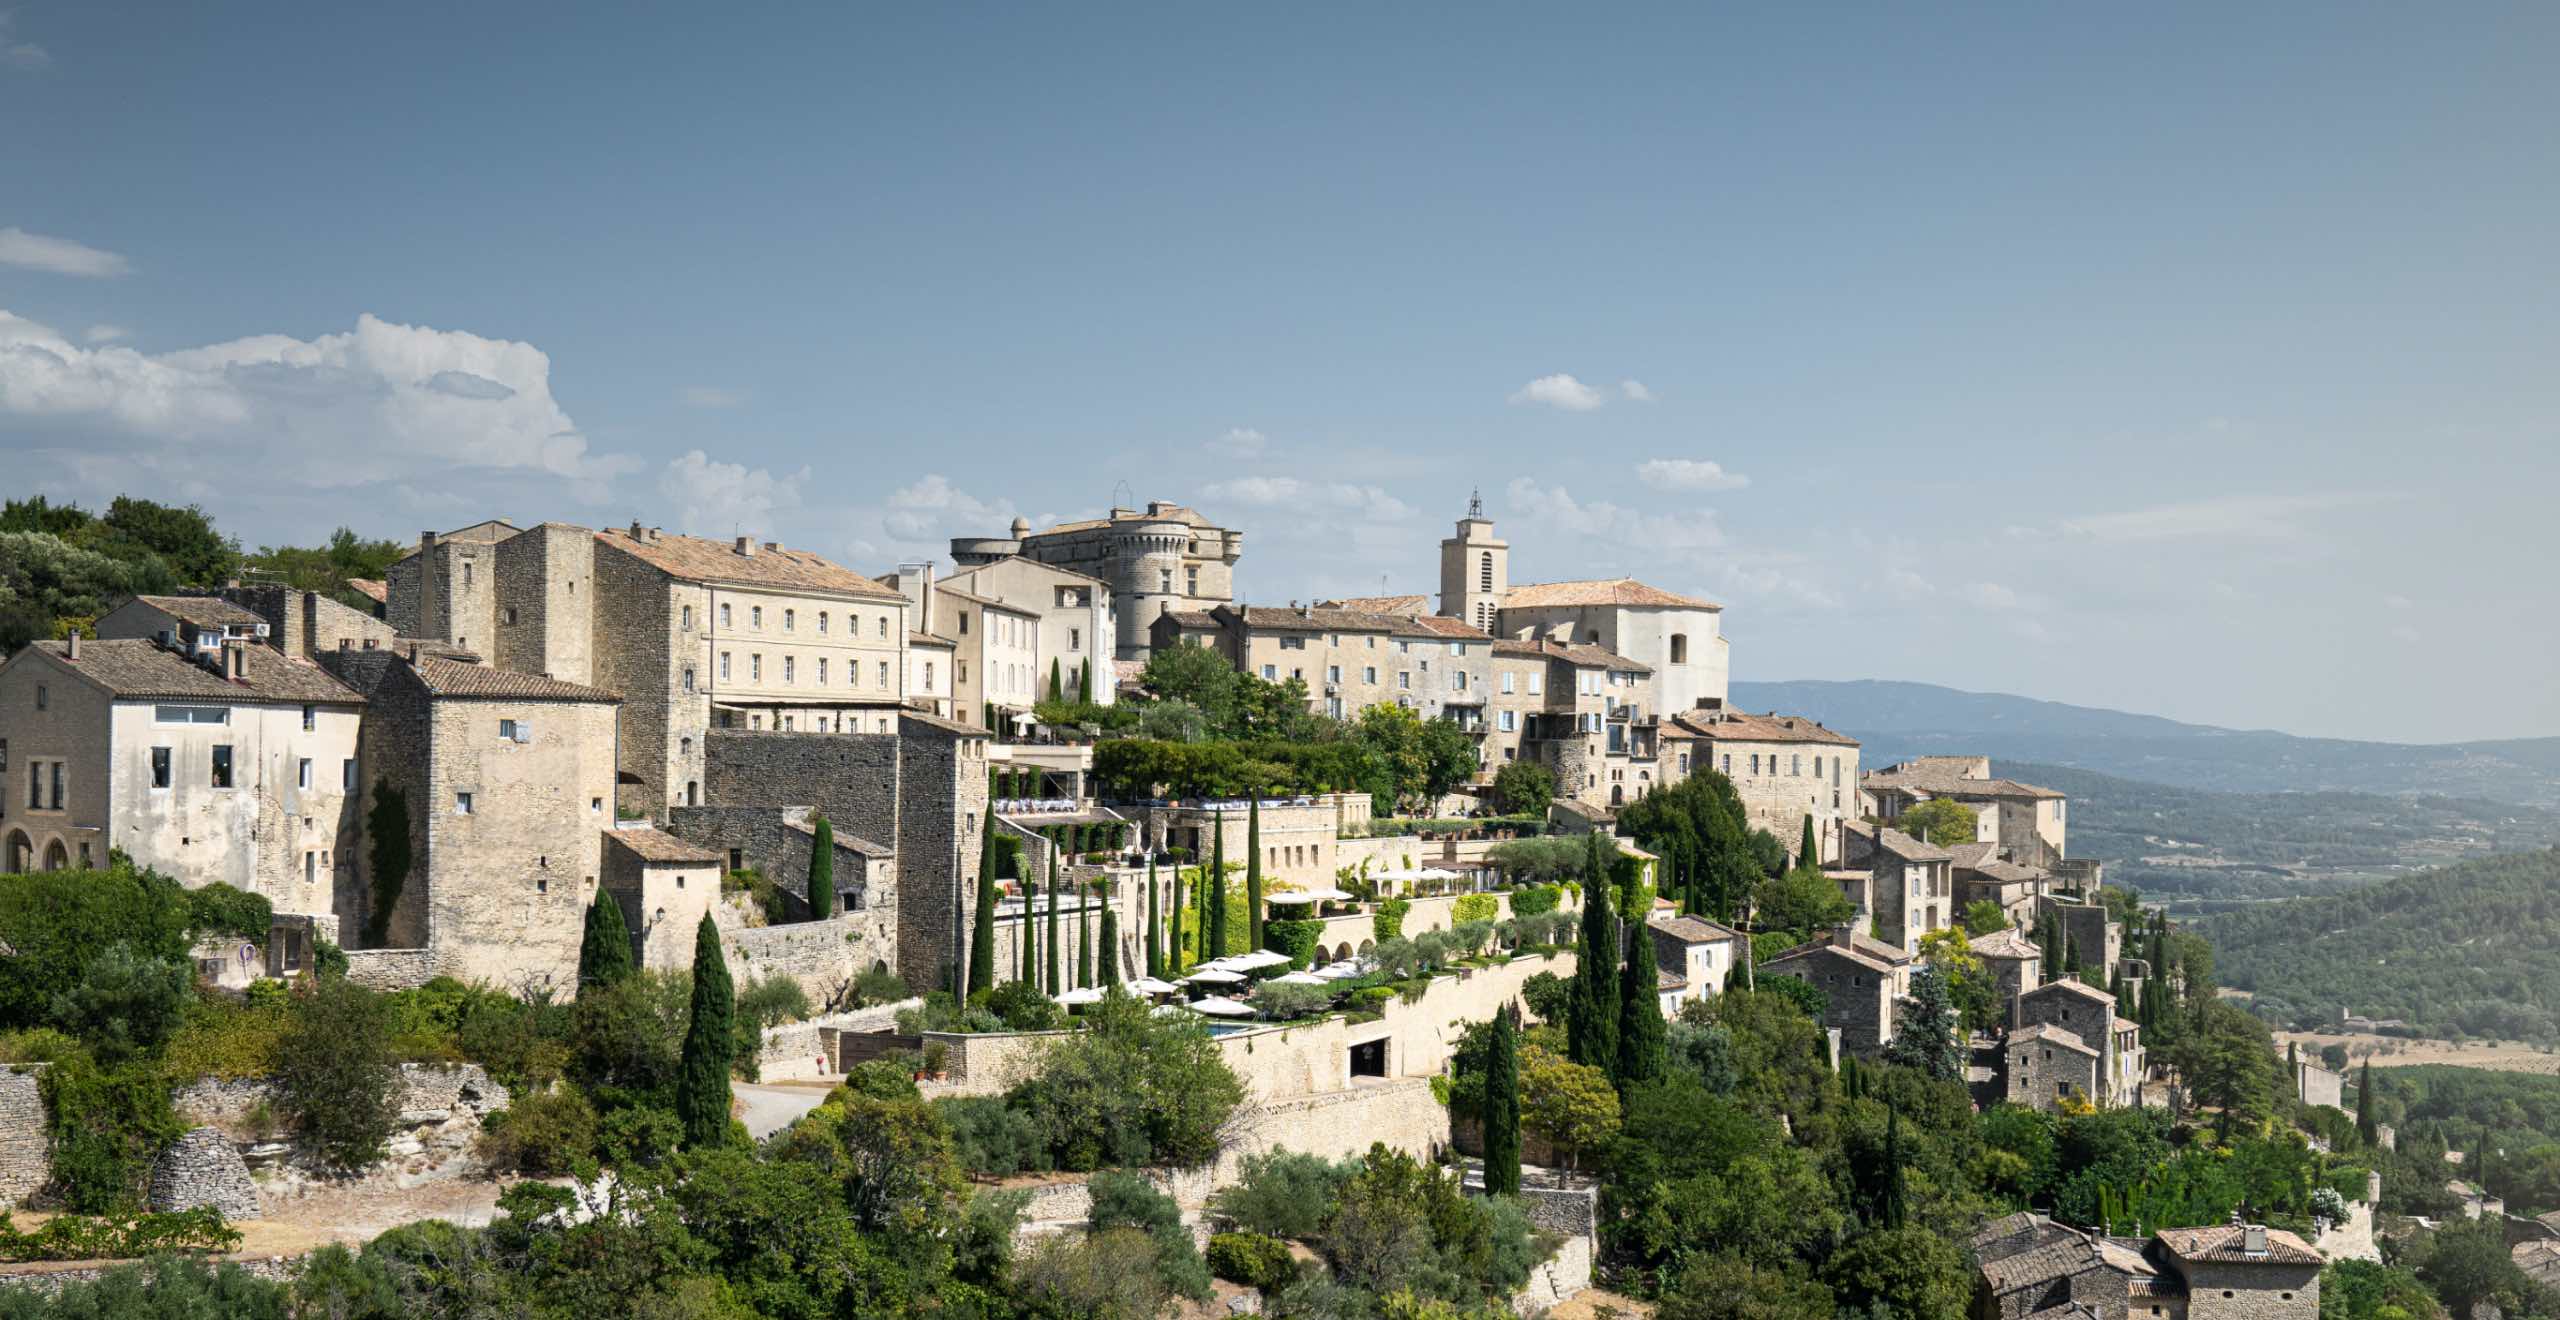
651,845
1598,591
459,681
1583,654
136,669
2049,1034
2067,985
694,559
1941,777
2224,1243
1741,726
376,589
1415,604
1692,930
2005,944
202,611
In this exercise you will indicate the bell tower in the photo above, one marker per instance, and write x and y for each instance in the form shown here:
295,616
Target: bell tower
1475,569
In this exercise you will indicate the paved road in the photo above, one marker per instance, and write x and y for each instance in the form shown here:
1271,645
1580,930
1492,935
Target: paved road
770,1109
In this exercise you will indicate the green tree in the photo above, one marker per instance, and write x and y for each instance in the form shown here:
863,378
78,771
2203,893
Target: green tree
1502,1108
1525,788
386,829
702,1082
1084,935
1253,871
1808,852
1569,1104
1050,939
1084,683
1903,1272
1173,935
181,537
1801,901
1928,1035
1941,821
604,954
2228,1062
2367,1129
982,922
1056,692
1109,974
1640,1022
1982,916
1591,1017
822,872
335,1074
1215,919
1155,921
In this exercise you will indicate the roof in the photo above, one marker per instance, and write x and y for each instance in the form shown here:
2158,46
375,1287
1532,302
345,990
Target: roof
2050,1035
1584,654
2020,1229
1041,564
1598,591
2222,1243
1318,619
1872,961
1742,726
850,842
985,602
1943,777
135,669
1199,619
1169,513
2002,871
375,588
954,727
2006,943
202,611
456,680
1973,854
2070,986
1908,848
1663,980
695,559
2041,1264
1691,930
1415,604
915,638
651,845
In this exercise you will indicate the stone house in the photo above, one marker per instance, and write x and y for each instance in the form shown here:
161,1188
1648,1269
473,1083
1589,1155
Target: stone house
2045,1065
1783,767
2315,1085
508,783
1913,885
931,661
1166,557
664,885
1350,660
1982,874
228,762
2027,1265
1583,711
2015,963
193,624
1301,837
1698,952
1079,630
2029,824
2089,1014
2240,1272
1862,978
2096,938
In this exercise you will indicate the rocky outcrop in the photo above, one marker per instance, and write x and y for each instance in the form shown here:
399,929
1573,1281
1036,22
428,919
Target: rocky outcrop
203,1168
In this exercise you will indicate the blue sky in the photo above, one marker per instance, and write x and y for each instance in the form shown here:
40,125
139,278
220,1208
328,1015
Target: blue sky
2196,360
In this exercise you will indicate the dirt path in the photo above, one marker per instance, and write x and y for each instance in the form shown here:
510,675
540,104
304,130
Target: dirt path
2405,1052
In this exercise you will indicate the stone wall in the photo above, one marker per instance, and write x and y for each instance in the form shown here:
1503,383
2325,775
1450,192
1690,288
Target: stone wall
2257,1291
2096,940
203,1168
852,777
825,957
545,590
26,1152
942,803
642,653
1555,1279
390,969
777,840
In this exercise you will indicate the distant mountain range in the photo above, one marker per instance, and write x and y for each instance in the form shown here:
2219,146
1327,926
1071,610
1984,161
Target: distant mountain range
1895,720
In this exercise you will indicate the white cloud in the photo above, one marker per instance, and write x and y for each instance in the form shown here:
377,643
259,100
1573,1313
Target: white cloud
707,396
57,256
1309,496
727,499
23,56
1555,508
1903,582
106,334
1991,595
2405,633
2261,518
1776,579
259,418
2397,601
1240,442
1634,389
1689,474
1560,391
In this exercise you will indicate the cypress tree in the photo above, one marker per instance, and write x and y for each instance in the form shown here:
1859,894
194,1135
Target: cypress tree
822,872
710,1041
1155,921
1893,1209
1808,852
1051,937
1056,693
982,926
1109,973
1502,1109
1640,1023
604,953
1591,1014
1253,873
2365,1128
1084,683
1216,924
1026,964
1173,940
1084,935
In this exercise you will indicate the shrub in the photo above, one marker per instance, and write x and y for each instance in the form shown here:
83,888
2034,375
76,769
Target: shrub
56,923
219,909
1433,948
1252,1260
879,986
107,1126
629,1036
540,1135
1470,937
1475,907
993,1138
1281,1194
1281,1003
1388,920
1298,939
226,1039
1369,998
1396,959
1546,994
85,1237
1067,1275
1131,1088
882,1079
165,1286
1533,900
1124,1200
1021,1006
334,1073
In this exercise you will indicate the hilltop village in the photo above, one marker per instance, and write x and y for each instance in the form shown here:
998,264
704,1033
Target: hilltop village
951,806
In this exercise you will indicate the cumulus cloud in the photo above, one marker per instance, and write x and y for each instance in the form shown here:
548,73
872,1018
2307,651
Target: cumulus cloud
1560,391
20,56
1634,390
1555,508
2397,601
106,334
2256,518
1689,474
1775,579
1991,595
1309,496
706,396
1240,442
253,419
727,499
1903,582
57,256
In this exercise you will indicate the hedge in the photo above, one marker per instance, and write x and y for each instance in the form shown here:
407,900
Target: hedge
1534,900
119,1237
1389,918
1253,1260
1298,939
1475,907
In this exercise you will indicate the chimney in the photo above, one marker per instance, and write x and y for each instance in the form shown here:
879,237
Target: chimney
1844,936
71,645
915,582
2253,1240
747,546
775,546
635,529
232,655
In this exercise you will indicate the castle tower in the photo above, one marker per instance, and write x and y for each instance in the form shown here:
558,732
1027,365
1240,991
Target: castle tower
1475,569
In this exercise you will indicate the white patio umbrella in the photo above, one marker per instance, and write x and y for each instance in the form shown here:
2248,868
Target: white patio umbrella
1148,985
1256,960
1297,978
1341,971
1080,997
1220,1006
1215,976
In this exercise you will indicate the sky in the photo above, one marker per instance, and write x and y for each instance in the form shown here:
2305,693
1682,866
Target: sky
2197,360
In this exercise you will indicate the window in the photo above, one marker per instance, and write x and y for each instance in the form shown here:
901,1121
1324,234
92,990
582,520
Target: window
507,730
466,572
35,785
684,746
1191,581
1333,673
1537,682
1369,674
310,718
791,620
755,617
822,623
964,623
1510,721
1755,763
884,626
884,675
1484,571
44,697
1679,648
822,671
1506,683
1404,679
1458,649
347,775
1270,672
789,669
191,714
755,667
1817,767
1728,763
302,773
687,625
159,767
724,666
4,754
1075,639
1293,643
462,804
1164,580
511,615
222,766
724,614
688,678
928,675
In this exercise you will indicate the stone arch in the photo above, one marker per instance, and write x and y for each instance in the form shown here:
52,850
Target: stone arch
20,855
1366,946
56,857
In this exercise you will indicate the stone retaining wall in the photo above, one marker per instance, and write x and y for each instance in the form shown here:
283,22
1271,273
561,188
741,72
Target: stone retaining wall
49,1277
26,1152
825,957
391,969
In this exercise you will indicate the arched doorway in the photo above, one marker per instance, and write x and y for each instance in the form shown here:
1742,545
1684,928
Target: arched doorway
56,857
20,857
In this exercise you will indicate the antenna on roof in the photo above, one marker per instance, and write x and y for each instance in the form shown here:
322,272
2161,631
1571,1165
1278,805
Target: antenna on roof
1117,488
1475,502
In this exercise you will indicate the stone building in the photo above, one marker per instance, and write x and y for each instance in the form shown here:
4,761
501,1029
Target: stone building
1912,885
2015,963
2027,1265
447,587
1783,767
2094,937
931,662
2028,824
1079,630
664,885
1862,979
224,762
1982,875
2043,1066
1301,837
1697,951
1349,660
507,781
996,672
2241,1271
1584,712
2088,1014
1166,557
